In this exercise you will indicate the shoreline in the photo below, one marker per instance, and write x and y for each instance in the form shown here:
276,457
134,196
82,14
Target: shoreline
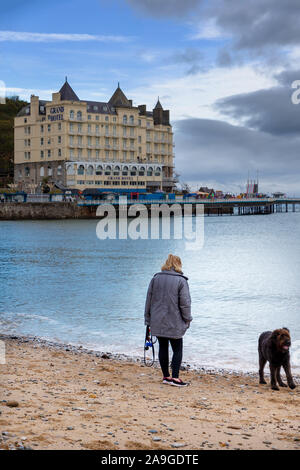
56,396
186,366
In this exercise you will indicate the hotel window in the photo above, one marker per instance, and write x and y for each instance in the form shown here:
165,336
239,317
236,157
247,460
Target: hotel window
27,171
106,154
49,153
139,139
125,171
131,132
131,119
49,141
124,131
90,170
114,130
132,144
148,123
124,155
71,127
97,141
131,155
59,152
79,140
71,139
108,171
42,128
106,142
142,171
97,118
99,170
97,153
89,128
116,171
140,122
71,153
157,172
89,117
49,171
59,126
115,155
148,147
124,144
42,171
79,115
98,182
106,130
89,141
42,153
25,119
150,171
59,139
72,114
79,127
80,170
133,171
59,170
89,153
106,118
79,153
97,128
124,119
49,127
114,119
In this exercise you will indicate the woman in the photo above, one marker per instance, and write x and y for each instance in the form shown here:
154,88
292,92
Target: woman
168,313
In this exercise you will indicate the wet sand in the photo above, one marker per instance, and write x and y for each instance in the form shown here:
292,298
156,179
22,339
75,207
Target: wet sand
58,397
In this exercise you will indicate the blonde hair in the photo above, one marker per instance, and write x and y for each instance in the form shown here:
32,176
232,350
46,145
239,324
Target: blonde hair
172,262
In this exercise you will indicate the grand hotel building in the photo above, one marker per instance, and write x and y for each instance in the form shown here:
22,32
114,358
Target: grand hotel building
89,144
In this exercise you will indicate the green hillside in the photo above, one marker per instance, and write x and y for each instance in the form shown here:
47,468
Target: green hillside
7,113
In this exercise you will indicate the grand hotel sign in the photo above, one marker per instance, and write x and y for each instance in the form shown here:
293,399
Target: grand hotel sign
56,113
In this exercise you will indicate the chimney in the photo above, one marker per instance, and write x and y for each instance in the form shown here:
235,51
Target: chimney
142,109
34,106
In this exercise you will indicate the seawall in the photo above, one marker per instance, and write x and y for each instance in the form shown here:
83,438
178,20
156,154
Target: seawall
41,210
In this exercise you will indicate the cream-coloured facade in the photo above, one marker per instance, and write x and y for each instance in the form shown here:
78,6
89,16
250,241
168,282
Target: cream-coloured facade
85,144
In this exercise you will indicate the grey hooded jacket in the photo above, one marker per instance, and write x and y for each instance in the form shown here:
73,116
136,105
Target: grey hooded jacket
168,305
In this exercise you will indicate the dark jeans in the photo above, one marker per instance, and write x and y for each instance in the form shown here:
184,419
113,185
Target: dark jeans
163,356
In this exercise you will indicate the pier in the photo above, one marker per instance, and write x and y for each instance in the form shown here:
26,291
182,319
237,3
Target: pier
217,207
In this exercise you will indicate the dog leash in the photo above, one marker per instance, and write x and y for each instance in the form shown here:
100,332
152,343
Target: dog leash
149,344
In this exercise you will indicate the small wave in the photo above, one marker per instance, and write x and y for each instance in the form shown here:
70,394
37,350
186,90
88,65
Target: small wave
14,315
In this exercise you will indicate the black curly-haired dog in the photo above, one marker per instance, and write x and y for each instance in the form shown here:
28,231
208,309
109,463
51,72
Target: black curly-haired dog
275,348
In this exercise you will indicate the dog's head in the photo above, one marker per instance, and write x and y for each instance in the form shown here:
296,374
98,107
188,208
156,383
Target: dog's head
282,339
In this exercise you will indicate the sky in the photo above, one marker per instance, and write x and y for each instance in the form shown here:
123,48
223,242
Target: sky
224,68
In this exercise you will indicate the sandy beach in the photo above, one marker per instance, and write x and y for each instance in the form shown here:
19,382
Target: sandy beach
61,397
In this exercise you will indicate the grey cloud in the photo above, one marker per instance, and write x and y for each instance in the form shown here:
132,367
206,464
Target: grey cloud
287,77
224,58
165,8
190,57
217,151
268,110
258,27
260,23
